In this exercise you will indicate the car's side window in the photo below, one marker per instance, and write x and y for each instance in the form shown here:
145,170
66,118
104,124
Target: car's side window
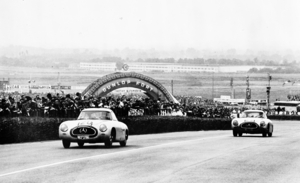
108,116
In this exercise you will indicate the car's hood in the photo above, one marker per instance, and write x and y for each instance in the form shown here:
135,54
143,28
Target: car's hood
74,123
255,120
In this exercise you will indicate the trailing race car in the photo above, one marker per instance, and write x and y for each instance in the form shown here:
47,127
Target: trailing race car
252,122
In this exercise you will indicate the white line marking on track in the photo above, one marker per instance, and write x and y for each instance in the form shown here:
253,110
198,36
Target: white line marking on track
103,155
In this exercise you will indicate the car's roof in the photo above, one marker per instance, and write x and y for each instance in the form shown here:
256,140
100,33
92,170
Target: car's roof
97,109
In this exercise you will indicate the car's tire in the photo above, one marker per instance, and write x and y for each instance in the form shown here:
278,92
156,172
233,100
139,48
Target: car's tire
110,139
123,143
270,133
126,135
66,143
234,133
80,144
240,134
264,134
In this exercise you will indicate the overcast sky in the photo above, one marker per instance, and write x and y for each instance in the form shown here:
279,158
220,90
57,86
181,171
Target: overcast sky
146,24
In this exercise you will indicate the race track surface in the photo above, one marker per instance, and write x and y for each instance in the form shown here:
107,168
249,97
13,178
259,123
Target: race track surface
202,156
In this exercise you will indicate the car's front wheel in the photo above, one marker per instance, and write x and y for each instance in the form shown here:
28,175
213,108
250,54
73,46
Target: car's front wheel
234,133
66,143
264,134
270,133
80,144
240,134
123,143
109,141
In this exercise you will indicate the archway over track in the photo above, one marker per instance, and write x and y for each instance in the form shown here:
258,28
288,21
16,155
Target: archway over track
110,82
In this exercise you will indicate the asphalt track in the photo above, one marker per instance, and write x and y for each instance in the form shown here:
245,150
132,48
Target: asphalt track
202,156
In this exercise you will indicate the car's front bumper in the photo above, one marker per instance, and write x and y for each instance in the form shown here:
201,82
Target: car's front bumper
101,137
251,131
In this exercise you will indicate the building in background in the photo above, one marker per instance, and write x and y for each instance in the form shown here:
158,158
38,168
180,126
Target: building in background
165,67
149,67
227,100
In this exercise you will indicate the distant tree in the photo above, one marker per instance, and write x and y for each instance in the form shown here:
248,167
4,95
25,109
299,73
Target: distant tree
119,65
140,60
256,60
180,60
253,70
266,70
249,62
212,61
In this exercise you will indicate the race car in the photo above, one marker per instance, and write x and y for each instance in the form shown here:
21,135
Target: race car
252,122
94,125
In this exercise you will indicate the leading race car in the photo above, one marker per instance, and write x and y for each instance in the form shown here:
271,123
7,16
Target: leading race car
252,122
92,126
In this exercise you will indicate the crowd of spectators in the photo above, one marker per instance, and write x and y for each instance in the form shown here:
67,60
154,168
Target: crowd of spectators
293,97
69,106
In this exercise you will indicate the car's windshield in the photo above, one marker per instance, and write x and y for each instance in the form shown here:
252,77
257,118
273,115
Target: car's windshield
253,115
95,115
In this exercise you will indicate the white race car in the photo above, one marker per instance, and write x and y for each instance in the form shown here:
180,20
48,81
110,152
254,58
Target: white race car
252,122
92,126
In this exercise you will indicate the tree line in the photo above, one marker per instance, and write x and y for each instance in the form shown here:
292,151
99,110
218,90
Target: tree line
36,61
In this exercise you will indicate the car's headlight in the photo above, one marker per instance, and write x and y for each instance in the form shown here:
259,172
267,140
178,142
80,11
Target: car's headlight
103,128
262,123
235,123
63,127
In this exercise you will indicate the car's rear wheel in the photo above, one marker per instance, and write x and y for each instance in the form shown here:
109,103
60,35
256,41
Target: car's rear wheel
240,134
264,134
109,141
66,143
80,144
234,133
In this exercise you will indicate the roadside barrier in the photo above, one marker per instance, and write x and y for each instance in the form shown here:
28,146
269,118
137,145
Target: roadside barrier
29,129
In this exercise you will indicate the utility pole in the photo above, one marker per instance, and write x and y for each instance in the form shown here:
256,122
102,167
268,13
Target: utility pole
268,90
213,85
172,86
58,84
248,90
231,86
30,82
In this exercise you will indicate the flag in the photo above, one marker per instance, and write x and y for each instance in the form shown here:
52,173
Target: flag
288,81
